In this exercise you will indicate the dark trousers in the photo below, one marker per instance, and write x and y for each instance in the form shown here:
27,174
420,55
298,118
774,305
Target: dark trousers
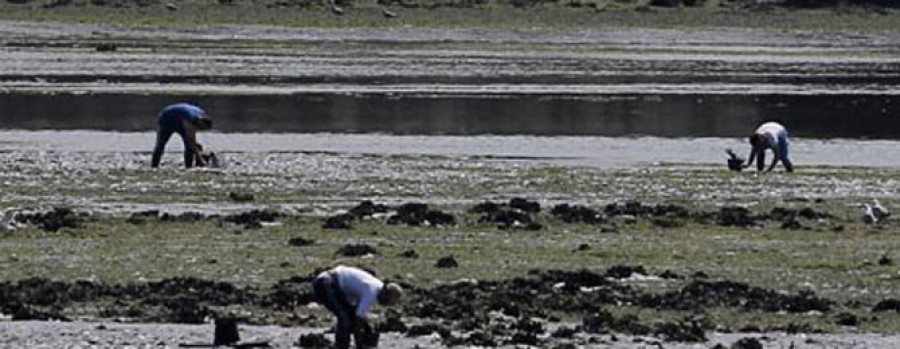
327,293
167,125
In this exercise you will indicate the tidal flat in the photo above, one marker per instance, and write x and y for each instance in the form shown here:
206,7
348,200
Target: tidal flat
656,251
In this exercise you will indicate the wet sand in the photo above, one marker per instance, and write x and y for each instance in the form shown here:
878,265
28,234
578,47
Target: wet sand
40,334
596,152
335,171
56,167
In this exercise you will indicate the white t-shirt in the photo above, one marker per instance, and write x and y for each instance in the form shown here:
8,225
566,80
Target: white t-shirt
360,287
771,134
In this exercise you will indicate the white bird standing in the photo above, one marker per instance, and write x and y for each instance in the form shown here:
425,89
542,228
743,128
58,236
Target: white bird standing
880,211
868,216
8,223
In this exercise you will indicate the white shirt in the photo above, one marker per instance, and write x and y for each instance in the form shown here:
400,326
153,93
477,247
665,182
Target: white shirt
771,133
360,287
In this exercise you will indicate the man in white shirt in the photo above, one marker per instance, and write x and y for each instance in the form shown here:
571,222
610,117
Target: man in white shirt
349,293
770,135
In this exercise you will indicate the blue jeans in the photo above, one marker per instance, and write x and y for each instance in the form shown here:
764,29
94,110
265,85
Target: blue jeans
327,293
783,145
165,127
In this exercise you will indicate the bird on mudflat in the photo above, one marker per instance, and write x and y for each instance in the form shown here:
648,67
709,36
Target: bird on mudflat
868,215
880,211
8,222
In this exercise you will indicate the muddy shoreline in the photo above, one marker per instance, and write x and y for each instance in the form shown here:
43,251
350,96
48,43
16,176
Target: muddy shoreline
710,257
335,171
111,335
132,148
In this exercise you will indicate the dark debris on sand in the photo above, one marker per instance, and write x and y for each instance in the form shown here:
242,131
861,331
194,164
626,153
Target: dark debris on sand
356,250
142,216
676,216
524,214
446,262
637,209
412,214
889,304
700,294
517,213
462,313
510,218
54,220
416,214
300,241
543,293
185,217
732,216
847,319
525,205
241,197
340,221
364,209
577,214
367,209
253,219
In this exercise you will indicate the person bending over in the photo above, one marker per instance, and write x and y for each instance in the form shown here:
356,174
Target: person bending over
185,120
770,135
349,293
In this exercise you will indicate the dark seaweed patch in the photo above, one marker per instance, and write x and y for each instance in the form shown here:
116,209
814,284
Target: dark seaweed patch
415,214
446,262
356,250
54,220
253,219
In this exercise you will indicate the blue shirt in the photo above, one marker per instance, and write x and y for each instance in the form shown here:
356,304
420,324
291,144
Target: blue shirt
189,112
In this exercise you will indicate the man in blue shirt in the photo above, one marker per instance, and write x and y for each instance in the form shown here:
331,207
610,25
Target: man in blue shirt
184,119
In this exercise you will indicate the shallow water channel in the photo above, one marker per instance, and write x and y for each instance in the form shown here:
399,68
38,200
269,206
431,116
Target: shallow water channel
510,110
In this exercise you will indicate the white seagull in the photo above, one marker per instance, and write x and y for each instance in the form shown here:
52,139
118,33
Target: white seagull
868,216
8,222
880,211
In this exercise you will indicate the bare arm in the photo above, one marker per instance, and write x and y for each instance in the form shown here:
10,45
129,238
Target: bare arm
751,158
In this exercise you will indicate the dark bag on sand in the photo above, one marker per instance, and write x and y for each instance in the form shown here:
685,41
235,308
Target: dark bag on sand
735,163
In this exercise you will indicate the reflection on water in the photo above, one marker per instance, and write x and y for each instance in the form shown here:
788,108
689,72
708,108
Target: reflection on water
678,115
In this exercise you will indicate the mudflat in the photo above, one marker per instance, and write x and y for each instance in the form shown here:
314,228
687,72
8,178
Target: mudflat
500,240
